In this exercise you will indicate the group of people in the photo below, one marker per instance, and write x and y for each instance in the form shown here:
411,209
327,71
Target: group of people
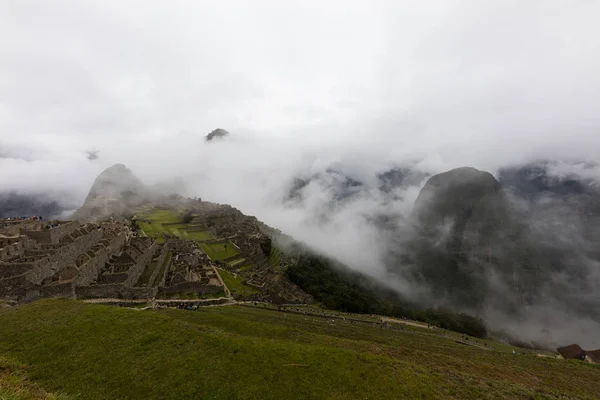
190,307
33,218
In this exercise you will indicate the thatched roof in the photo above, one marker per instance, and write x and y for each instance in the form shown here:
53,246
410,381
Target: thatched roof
573,351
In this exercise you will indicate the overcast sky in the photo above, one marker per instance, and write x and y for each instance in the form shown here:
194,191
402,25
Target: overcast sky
481,83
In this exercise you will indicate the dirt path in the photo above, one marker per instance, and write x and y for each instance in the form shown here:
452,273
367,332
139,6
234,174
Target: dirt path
405,322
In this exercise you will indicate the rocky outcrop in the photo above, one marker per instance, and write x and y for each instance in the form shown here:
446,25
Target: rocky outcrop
479,244
451,211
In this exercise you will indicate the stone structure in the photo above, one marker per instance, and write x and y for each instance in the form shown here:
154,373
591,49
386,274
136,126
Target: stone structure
97,260
191,271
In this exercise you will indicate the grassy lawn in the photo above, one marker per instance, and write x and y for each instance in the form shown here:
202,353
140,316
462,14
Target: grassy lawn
169,222
232,352
197,235
15,385
219,251
235,285
245,267
158,218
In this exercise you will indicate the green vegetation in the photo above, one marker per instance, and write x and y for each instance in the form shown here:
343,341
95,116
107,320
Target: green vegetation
15,385
187,217
245,267
339,288
197,235
334,287
275,256
235,285
232,352
219,251
158,218
452,321
169,222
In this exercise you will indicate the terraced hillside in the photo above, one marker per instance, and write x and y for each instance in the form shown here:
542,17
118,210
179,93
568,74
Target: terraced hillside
247,261
89,351
156,222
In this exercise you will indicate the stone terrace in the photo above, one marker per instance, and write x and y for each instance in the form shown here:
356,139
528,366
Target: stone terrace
97,260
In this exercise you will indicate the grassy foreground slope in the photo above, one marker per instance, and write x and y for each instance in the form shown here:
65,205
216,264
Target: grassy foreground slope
234,352
15,385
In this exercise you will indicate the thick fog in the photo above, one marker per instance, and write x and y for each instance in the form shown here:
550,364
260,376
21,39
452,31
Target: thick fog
304,88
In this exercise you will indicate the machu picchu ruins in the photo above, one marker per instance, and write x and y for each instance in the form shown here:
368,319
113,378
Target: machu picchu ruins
128,243
117,259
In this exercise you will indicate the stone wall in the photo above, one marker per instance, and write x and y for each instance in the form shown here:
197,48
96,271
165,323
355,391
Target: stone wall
11,247
112,278
52,235
115,291
141,263
15,287
8,270
160,261
61,290
190,287
63,256
163,278
88,272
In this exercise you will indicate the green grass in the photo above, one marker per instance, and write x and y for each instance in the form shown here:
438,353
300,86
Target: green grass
235,285
169,222
158,218
275,257
245,267
15,385
218,251
231,352
197,235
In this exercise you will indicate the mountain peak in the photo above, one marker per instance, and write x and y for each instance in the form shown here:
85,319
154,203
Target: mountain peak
115,190
217,133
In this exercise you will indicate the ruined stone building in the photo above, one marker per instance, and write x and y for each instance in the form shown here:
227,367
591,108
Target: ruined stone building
96,260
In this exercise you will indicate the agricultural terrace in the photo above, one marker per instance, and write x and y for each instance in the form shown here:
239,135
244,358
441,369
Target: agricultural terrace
153,222
156,222
235,285
219,251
